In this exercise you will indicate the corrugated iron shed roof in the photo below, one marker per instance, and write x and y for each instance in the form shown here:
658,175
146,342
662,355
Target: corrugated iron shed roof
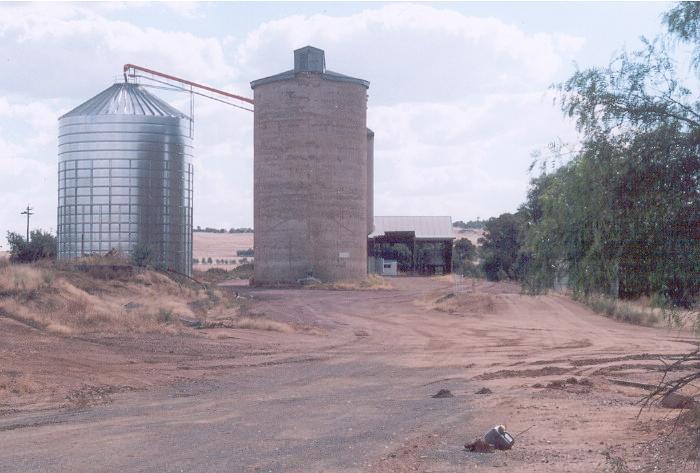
439,227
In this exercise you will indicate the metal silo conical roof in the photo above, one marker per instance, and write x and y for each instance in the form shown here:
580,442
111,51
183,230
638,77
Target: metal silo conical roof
125,99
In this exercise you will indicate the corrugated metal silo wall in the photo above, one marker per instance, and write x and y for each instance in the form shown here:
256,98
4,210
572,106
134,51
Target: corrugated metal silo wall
125,180
310,180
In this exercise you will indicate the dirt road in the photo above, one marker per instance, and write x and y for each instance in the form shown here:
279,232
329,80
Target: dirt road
355,396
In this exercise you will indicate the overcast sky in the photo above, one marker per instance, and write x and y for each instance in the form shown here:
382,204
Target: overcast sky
458,95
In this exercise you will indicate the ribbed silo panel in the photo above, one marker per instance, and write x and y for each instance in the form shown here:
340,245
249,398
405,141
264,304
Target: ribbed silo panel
125,178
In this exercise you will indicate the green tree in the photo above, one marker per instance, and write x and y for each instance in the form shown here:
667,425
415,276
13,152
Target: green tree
622,216
464,252
472,224
683,22
143,255
399,252
501,247
41,245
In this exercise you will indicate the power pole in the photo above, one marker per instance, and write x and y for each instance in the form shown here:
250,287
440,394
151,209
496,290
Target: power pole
27,212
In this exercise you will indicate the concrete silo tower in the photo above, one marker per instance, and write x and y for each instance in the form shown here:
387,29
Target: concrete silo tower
311,173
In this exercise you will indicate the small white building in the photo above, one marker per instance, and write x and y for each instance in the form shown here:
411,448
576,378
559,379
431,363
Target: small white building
383,267
389,267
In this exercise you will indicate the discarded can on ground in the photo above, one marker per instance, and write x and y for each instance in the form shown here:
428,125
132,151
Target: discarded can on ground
499,438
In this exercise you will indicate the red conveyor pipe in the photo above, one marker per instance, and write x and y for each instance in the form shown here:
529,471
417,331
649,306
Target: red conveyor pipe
185,81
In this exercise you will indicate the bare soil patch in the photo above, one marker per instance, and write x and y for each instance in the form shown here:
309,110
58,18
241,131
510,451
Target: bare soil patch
357,369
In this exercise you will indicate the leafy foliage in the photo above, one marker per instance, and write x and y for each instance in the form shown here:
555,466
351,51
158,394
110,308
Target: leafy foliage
464,250
683,22
143,255
501,245
41,245
464,254
622,217
472,224
399,252
428,256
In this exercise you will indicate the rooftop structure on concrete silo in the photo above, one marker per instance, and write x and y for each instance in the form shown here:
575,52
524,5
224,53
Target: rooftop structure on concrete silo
310,173
309,59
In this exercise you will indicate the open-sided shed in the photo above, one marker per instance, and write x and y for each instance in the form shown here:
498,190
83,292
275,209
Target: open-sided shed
421,244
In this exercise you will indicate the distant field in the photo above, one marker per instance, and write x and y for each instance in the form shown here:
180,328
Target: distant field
471,234
224,245
219,246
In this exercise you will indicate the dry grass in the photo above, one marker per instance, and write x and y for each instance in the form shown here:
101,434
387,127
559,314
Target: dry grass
16,279
70,302
219,246
241,315
623,311
14,383
455,303
217,275
261,324
372,283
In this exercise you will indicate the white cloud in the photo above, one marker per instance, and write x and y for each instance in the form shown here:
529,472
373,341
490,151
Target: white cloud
457,102
458,159
27,177
186,9
415,52
66,50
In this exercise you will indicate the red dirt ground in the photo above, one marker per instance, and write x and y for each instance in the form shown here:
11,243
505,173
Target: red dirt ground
353,396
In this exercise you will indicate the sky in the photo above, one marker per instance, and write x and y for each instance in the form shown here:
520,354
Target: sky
459,94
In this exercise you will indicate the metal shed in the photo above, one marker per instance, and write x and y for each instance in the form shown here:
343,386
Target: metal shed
428,240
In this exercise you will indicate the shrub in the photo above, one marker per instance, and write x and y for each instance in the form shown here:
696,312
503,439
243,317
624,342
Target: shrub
244,271
165,316
41,245
142,255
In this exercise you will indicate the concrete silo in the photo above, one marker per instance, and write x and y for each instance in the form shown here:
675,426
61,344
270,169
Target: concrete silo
370,181
310,173
125,178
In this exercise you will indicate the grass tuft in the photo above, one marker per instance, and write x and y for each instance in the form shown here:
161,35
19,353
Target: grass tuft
373,282
262,324
620,310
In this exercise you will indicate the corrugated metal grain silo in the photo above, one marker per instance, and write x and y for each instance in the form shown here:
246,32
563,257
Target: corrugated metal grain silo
125,178
310,173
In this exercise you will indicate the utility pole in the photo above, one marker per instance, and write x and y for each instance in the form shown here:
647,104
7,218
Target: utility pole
27,212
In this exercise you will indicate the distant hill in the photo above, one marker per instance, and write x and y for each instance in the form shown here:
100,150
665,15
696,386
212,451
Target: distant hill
472,224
